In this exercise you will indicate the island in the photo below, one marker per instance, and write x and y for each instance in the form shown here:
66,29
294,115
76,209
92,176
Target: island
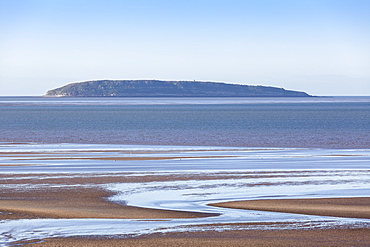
159,88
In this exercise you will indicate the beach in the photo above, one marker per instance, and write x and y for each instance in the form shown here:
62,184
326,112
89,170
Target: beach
92,203
47,185
89,203
336,207
332,237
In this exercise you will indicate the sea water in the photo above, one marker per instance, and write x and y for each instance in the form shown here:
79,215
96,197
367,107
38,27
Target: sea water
271,148
333,122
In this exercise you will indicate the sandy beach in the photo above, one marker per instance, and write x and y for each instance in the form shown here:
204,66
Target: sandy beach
336,207
330,237
77,203
92,203
70,194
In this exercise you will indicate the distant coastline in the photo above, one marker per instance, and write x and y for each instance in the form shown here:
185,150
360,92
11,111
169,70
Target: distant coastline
158,88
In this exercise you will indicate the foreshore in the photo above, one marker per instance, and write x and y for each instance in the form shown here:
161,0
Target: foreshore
336,207
80,202
283,238
92,203
80,195
73,203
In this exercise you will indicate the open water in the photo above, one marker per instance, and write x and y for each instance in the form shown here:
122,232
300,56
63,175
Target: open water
331,122
316,148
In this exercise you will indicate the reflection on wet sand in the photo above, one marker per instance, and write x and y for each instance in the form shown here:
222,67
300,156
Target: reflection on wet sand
336,207
74,190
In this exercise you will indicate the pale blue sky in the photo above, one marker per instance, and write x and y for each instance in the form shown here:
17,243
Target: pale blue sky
318,46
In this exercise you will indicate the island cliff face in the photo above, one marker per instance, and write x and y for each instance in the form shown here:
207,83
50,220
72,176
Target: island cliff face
157,88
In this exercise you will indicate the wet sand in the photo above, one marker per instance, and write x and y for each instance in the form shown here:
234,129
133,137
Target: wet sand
91,203
337,207
81,196
77,203
82,202
303,238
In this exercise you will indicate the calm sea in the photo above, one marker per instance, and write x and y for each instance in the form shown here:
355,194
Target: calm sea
337,122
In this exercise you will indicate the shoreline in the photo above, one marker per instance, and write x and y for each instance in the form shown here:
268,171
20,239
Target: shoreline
73,203
79,203
92,202
57,195
352,207
280,237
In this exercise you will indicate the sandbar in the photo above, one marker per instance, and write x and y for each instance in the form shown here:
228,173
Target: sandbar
77,203
82,196
358,207
91,203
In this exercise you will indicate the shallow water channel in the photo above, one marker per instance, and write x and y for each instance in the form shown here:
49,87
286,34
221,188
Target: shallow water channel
185,178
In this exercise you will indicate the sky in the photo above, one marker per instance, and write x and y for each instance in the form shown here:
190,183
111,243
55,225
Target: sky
321,47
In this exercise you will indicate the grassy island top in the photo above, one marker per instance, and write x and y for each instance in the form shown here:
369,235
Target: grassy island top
158,88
